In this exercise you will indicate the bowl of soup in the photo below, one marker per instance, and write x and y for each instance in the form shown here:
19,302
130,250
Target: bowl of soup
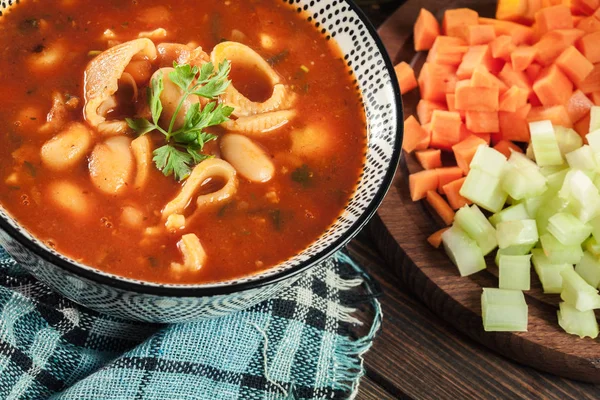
168,161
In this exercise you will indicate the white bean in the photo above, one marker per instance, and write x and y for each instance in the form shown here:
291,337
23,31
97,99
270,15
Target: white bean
69,197
247,158
170,98
111,165
194,256
67,148
132,217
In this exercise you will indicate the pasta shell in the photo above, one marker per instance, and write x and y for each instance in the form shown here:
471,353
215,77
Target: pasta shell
260,124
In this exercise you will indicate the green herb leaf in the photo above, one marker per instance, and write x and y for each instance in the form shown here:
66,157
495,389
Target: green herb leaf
172,161
140,125
183,75
156,106
303,175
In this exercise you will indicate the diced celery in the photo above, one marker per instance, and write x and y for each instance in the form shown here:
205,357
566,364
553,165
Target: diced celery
484,190
556,180
595,224
583,196
553,169
596,181
488,160
545,146
568,229
589,269
548,272
513,233
575,322
514,272
532,205
577,292
548,208
520,250
568,140
582,158
559,253
503,310
594,118
592,246
472,221
512,213
463,251
521,183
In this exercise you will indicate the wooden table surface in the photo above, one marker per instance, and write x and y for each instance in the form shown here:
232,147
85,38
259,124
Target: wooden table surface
417,355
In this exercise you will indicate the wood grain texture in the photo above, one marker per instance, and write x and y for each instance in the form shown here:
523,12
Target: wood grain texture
436,281
418,355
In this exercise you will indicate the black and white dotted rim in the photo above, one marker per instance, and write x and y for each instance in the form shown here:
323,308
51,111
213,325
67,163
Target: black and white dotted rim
338,19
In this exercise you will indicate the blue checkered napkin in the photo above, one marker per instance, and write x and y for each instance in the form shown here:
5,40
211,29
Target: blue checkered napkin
294,346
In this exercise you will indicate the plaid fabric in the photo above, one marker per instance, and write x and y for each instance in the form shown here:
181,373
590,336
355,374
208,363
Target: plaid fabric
294,346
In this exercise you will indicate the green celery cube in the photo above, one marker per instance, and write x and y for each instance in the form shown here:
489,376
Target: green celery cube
503,310
549,273
568,140
582,158
519,250
475,224
463,251
484,190
575,322
514,233
568,229
545,145
488,160
589,269
559,253
514,272
512,213
577,292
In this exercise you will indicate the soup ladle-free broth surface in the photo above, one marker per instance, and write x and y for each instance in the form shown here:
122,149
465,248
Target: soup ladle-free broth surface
317,155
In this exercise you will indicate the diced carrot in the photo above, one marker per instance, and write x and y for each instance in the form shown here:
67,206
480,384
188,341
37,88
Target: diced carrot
533,6
426,30
483,78
485,136
447,50
441,207
456,21
435,239
445,129
480,34
553,43
577,19
451,102
556,114
452,192
504,147
406,77
465,150
586,7
421,182
502,47
433,79
482,121
552,18
430,158
520,33
425,109
514,125
477,98
522,57
462,83
446,175
582,127
589,24
414,136
596,98
591,84
589,45
512,99
533,71
578,106
511,10
515,78
476,56
553,87
574,64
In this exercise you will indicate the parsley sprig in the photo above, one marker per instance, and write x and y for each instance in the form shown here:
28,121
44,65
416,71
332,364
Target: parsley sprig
183,148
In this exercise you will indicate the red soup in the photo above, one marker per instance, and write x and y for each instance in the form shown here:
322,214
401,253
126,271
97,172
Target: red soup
175,141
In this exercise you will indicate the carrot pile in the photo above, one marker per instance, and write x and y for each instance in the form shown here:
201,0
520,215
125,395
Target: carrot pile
485,79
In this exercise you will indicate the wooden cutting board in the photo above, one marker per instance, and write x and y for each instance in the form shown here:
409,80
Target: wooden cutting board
403,227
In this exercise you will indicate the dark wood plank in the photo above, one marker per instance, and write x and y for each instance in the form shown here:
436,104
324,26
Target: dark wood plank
370,390
432,276
418,355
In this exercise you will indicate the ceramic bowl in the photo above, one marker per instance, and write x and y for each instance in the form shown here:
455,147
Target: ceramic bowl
375,80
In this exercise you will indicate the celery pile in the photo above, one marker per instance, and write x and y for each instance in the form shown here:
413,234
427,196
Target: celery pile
552,221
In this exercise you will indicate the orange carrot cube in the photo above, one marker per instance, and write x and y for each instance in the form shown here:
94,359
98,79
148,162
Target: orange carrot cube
471,98
552,18
582,127
502,47
589,24
415,137
513,125
421,182
553,87
406,77
578,106
452,192
553,43
426,30
483,78
589,45
574,64
425,109
482,121
433,80
446,175
445,129
480,34
520,33
512,99
522,57
457,21
556,114
447,50
435,239
476,56
505,147
465,150
596,98
591,84
586,7
515,78
430,158
441,207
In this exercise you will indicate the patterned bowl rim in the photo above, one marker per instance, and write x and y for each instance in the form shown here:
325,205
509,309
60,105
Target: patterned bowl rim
200,291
